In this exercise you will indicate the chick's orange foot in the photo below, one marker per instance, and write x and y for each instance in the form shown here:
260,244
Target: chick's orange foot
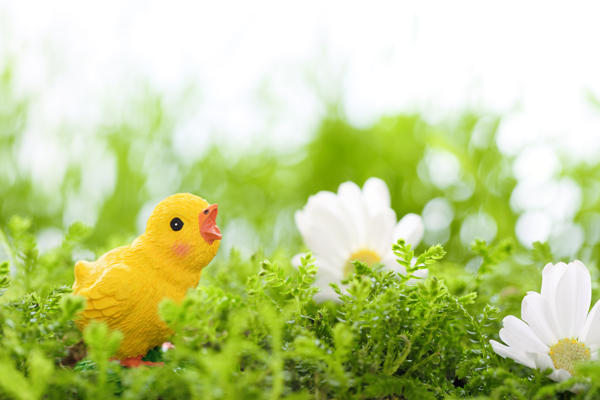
134,362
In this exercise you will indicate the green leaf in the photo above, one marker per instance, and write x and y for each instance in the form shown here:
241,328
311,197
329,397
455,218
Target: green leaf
4,277
541,253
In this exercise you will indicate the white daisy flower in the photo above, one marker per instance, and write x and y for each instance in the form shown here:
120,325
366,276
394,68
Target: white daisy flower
558,332
353,225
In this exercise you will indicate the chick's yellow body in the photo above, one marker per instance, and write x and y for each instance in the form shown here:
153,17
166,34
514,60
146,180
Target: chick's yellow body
124,287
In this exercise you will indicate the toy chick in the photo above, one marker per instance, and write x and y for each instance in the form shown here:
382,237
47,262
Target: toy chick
124,287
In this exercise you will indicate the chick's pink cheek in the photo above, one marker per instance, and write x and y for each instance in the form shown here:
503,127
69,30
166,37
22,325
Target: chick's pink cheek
181,249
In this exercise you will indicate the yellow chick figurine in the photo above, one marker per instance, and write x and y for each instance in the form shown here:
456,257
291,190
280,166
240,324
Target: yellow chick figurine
124,287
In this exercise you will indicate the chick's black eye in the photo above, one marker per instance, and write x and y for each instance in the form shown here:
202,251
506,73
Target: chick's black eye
176,224
206,211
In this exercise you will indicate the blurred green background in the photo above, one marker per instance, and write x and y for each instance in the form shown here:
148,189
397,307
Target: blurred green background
451,172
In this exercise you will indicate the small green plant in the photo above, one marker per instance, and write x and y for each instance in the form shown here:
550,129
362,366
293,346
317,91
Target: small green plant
541,254
4,277
405,256
299,288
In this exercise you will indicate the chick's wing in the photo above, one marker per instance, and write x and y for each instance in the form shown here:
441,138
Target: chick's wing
107,292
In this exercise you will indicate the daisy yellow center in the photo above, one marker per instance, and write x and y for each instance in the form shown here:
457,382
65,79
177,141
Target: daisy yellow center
567,352
369,257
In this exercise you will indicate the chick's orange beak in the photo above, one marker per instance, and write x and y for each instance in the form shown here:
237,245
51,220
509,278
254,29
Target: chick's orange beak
208,227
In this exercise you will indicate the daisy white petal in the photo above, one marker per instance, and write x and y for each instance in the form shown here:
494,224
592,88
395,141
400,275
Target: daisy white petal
324,210
590,333
410,228
376,195
324,228
578,388
325,275
328,213
573,298
518,334
325,246
550,277
350,198
535,310
380,228
542,360
517,355
562,375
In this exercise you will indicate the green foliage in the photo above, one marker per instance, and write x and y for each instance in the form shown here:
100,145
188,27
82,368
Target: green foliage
541,254
26,386
299,288
405,258
102,344
20,244
265,338
493,255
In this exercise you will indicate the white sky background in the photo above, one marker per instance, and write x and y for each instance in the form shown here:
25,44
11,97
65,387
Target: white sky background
256,65
533,59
